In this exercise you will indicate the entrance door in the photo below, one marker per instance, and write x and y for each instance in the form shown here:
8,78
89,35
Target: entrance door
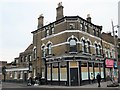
25,77
74,76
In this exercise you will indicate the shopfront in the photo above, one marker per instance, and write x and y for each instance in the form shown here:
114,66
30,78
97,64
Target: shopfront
109,63
74,72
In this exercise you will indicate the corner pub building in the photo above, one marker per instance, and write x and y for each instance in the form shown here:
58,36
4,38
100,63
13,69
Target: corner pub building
66,52
70,49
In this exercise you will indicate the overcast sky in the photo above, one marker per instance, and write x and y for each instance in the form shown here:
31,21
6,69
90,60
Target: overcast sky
18,18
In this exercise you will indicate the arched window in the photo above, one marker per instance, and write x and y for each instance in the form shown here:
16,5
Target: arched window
88,47
73,45
34,52
43,51
83,46
99,49
49,49
81,26
96,49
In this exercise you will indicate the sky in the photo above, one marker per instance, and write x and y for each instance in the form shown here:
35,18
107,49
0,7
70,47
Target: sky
18,18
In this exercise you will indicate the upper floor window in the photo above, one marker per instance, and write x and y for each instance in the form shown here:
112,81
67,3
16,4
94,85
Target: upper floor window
49,49
53,30
99,49
88,47
43,51
81,26
84,46
29,58
113,53
25,59
22,58
47,33
96,49
71,26
86,28
34,53
73,45
94,32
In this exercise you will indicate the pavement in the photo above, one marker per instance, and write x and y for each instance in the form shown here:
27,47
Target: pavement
94,85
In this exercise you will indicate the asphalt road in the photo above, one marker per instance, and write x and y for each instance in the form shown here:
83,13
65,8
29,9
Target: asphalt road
16,86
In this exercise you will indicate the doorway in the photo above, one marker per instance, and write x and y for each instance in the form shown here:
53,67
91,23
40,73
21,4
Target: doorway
74,76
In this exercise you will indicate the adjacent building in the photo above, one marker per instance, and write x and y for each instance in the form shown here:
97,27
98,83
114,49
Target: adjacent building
119,18
66,52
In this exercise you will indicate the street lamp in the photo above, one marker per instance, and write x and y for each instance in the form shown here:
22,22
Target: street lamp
4,72
115,44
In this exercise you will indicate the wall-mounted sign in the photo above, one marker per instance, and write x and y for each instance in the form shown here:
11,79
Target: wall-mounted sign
109,63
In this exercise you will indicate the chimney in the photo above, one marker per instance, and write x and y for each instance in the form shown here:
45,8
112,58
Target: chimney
40,21
59,11
88,18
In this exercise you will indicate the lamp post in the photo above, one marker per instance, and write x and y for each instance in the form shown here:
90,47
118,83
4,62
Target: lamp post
4,72
115,45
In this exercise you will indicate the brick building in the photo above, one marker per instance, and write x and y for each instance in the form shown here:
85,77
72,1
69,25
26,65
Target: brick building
66,51
70,49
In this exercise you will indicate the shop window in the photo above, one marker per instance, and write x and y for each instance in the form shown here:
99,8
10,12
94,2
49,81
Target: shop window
102,70
49,72
11,75
43,72
15,75
63,71
91,68
96,68
55,71
84,70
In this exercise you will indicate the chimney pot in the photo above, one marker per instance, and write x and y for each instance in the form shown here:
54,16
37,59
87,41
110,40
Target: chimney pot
40,21
59,11
88,18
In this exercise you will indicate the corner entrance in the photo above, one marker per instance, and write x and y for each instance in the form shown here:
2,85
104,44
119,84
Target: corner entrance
74,76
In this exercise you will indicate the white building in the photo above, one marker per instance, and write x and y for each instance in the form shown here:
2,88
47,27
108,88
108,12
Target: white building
119,18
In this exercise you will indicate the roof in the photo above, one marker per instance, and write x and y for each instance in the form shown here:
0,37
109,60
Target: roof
29,47
65,17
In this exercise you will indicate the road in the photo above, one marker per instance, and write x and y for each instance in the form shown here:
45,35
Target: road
16,86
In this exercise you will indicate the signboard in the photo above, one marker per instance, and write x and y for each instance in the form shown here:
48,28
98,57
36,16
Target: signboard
109,63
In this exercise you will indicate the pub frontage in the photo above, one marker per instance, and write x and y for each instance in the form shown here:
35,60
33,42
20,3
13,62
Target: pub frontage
73,70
